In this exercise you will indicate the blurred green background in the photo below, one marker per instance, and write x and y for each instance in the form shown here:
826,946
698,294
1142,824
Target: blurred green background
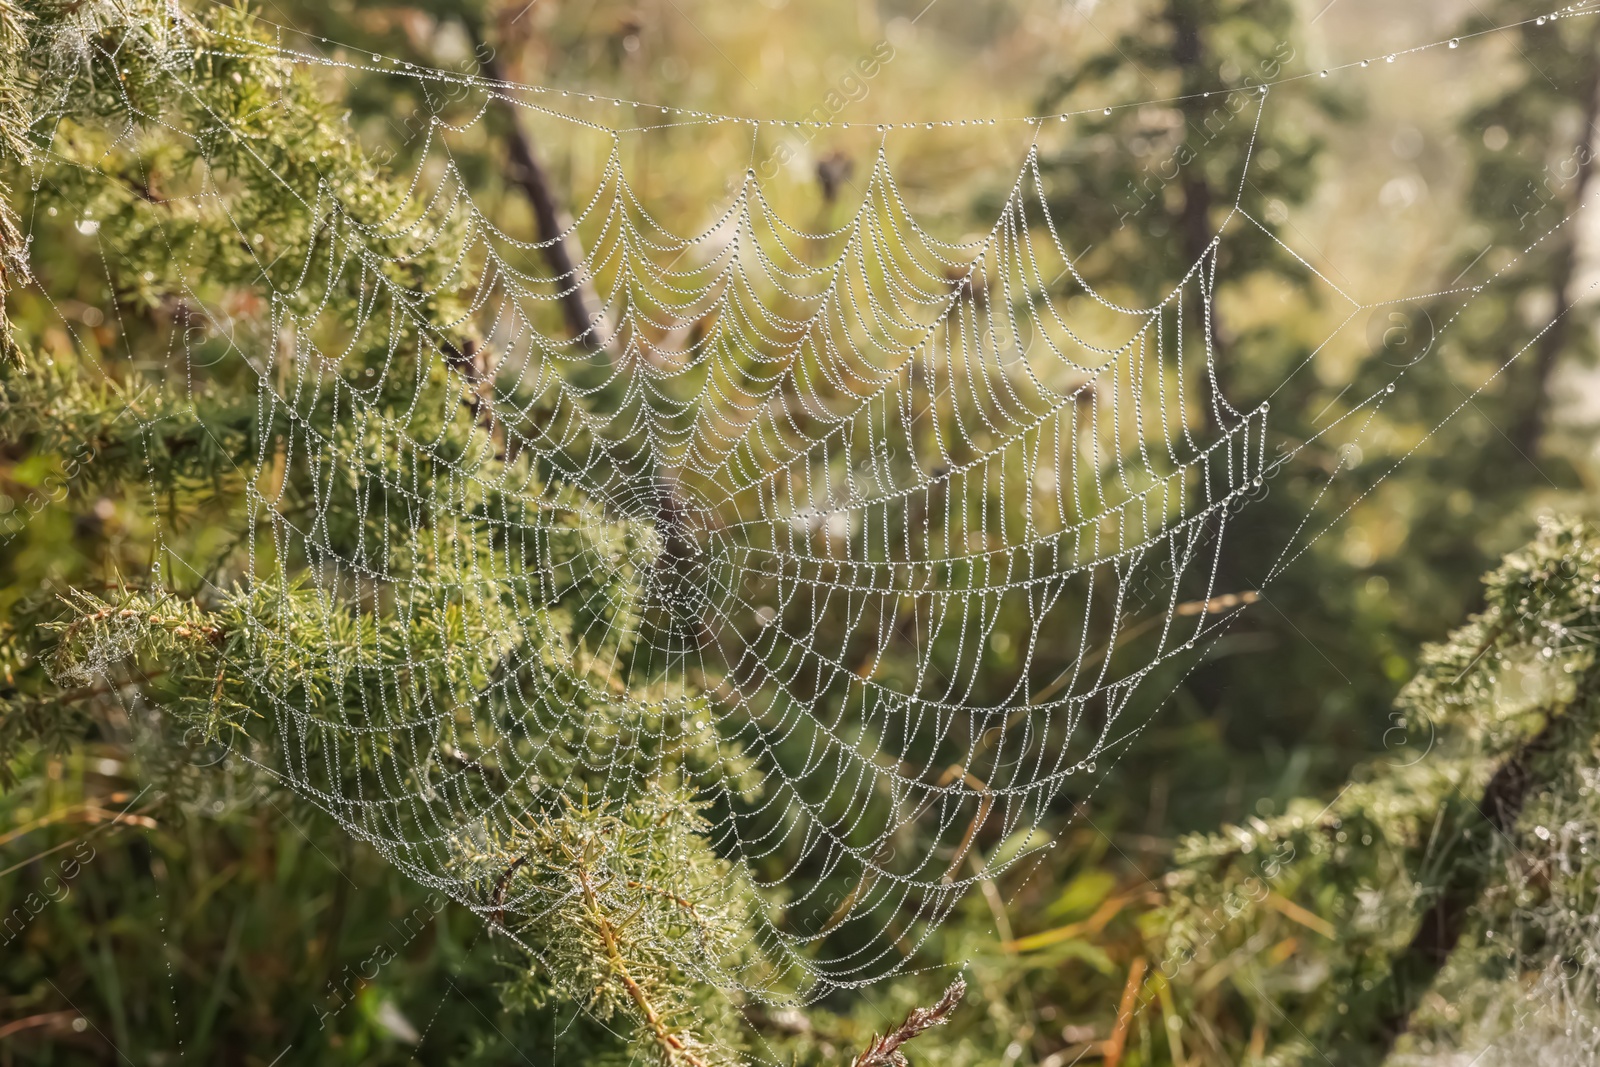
228,921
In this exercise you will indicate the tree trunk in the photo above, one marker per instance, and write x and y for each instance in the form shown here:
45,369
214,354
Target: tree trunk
1528,433
1194,221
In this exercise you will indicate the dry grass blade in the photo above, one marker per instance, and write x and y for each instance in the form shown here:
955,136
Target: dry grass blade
885,1051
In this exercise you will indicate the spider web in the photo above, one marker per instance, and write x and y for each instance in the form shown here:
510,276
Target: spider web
838,528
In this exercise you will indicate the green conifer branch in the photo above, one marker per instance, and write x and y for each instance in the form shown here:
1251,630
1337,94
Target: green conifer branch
1415,863
245,186
628,907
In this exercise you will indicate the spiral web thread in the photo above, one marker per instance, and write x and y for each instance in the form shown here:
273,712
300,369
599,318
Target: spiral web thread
757,531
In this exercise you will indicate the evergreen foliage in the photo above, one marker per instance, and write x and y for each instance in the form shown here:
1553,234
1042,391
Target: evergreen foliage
1461,857
321,237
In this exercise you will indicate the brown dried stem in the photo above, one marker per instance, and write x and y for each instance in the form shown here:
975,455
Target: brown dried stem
675,1050
885,1051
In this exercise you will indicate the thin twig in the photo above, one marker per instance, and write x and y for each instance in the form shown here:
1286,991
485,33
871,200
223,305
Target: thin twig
49,1018
576,297
1118,1041
499,897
